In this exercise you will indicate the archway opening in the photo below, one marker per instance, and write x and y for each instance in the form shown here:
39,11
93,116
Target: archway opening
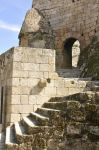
71,52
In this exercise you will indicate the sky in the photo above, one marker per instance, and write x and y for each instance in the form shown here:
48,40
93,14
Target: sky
12,13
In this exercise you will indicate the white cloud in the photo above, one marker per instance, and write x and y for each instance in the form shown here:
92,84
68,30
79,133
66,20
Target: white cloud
7,26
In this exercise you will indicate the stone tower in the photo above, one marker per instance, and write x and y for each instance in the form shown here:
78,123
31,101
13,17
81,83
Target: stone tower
58,24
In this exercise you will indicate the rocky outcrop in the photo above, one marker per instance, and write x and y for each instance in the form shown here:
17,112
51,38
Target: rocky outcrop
89,60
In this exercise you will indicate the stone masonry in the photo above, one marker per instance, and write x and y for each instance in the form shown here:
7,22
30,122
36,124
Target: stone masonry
66,18
29,79
45,104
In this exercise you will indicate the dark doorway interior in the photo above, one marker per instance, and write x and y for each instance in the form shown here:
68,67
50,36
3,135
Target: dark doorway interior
67,52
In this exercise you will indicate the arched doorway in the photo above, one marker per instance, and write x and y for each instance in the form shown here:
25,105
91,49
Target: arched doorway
71,52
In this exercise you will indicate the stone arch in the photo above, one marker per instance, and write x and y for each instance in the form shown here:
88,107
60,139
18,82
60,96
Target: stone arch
71,52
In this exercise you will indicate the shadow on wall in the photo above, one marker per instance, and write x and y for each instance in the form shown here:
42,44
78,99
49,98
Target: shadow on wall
39,87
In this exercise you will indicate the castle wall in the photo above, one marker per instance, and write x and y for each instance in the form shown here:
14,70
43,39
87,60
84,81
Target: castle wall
31,68
70,18
6,65
29,79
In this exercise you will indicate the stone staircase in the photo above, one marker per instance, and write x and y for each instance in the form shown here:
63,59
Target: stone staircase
69,73
63,123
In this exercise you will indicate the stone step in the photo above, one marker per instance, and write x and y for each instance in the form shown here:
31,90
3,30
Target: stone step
10,140
95,88
81,97
55,116
69,70
58,99
31,126
85,97
64,105
70,108
2,141
50,120
41,120
55,105
68,73
21,134
48,112
96,83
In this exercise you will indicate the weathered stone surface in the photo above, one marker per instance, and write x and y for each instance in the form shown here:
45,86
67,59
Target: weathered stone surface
90,60
28,79
66,23
36,31
75,127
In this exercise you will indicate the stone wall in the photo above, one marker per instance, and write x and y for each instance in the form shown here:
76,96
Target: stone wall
31,68
30,80
6,66
68,18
